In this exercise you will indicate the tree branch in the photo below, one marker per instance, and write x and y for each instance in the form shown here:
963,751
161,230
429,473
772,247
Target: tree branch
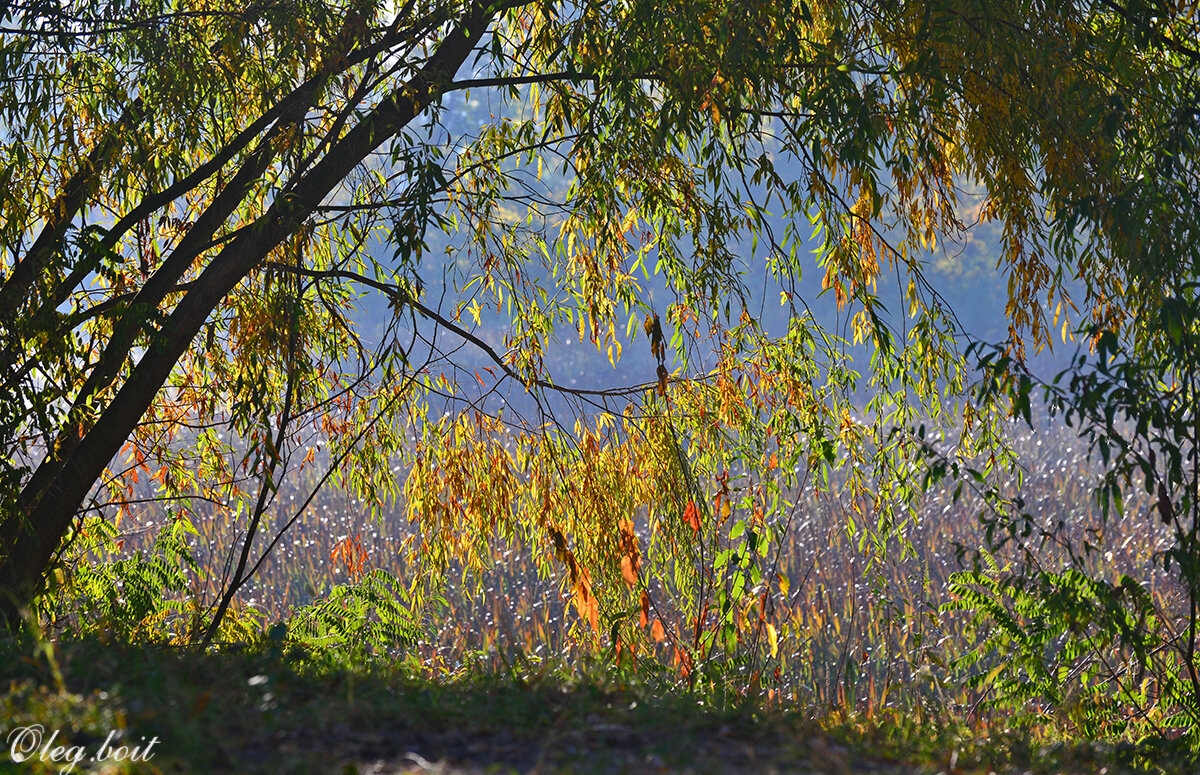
54,492
400,295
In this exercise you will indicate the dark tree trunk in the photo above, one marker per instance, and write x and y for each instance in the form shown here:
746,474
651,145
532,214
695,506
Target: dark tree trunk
54,493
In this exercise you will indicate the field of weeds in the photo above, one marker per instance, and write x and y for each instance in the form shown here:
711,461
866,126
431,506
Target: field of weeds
858,631
501,674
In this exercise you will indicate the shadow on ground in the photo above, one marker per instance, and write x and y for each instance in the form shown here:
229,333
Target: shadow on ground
263,711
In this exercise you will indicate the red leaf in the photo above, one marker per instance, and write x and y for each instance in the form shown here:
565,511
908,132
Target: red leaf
691,516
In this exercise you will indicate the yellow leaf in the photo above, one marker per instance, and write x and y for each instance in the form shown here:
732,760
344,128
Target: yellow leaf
773,639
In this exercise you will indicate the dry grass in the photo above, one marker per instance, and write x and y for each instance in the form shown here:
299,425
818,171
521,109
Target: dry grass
857,634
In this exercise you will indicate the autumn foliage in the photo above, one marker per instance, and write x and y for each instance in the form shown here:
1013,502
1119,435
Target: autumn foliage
575,216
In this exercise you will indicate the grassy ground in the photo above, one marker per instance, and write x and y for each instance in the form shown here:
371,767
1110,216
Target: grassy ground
257,710
867,656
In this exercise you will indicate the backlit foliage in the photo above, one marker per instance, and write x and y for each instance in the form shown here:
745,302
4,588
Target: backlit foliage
199,199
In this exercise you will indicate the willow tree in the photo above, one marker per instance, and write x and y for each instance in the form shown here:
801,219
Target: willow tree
197,193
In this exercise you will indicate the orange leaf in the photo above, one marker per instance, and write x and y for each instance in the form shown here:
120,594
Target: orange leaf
594,615
684,660
656,631
626,528
691,516
627,570
585,602
644,617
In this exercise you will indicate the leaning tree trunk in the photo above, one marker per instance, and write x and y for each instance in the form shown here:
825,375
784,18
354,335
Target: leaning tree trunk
54,493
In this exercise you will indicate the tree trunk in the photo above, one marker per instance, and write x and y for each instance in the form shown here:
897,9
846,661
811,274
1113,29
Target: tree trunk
54,493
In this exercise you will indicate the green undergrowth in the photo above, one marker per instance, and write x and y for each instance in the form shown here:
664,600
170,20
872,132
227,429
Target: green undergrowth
267,709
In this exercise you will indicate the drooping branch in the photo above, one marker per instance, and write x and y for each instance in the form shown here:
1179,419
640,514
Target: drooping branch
53,494
199,238
346,52
1180,47
65,208
401,296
